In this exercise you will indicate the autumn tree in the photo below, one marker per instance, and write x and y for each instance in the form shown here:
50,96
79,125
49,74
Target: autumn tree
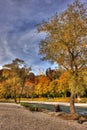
11,83
54,89
1,84
15,75
53,73
66,43
64,80
42,86
30,85
31,77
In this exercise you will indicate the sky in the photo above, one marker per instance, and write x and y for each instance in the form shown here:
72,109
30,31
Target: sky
18,29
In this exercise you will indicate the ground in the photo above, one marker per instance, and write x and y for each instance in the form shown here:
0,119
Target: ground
16,117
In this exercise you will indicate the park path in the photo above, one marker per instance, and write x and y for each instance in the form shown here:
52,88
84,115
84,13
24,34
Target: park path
16,117
59,103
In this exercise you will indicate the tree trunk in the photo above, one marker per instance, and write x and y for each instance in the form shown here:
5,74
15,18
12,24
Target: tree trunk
72,106
20,95
15,98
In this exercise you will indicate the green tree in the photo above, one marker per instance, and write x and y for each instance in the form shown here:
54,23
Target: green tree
66,43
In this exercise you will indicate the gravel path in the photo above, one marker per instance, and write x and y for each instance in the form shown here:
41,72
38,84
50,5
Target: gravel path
16,117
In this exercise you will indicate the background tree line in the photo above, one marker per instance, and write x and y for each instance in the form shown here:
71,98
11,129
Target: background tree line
17,81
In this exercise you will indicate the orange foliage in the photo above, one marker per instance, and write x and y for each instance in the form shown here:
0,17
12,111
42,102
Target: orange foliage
64,81
42,86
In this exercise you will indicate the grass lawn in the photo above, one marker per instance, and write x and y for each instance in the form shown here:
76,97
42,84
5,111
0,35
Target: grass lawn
62,99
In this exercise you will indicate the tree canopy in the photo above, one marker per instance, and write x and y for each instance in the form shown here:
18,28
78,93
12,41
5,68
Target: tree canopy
14,75
66,43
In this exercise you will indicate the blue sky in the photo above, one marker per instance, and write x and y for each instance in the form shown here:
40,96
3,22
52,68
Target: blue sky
18,31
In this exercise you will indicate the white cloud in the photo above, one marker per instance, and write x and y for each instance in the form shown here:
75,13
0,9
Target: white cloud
18,33
7,50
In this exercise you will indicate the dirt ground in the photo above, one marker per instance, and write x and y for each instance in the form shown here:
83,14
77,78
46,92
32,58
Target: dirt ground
16,117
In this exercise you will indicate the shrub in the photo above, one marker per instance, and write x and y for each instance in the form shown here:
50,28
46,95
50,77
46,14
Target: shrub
31,107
